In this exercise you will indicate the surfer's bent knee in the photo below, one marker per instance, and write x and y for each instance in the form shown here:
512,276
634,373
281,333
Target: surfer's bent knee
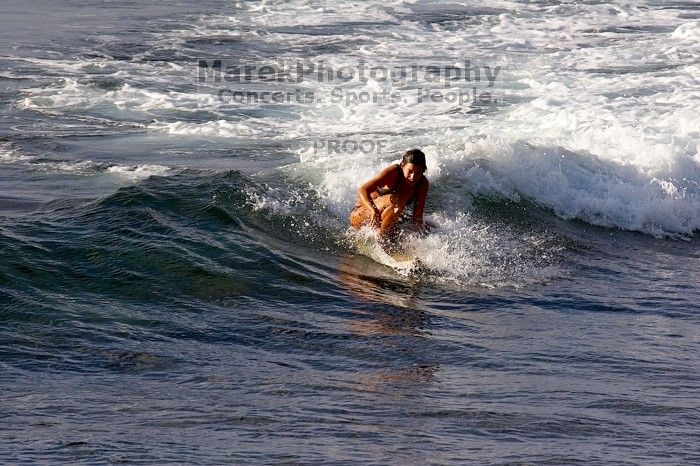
359,217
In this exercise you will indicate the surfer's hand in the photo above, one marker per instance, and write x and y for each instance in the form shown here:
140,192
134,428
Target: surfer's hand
423,228
376,219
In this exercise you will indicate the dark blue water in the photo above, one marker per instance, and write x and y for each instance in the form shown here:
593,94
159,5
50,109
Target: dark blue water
177,283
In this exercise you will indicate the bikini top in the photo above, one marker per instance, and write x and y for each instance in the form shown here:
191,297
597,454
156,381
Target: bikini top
394,190
385,191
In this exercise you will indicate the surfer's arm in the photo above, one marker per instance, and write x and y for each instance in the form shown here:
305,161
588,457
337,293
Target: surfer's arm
364,193
419,207
389,218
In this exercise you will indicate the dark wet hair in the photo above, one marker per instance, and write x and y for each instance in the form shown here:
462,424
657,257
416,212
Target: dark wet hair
416,157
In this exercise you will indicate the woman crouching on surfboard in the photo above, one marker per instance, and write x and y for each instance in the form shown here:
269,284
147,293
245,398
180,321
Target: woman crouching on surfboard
382,200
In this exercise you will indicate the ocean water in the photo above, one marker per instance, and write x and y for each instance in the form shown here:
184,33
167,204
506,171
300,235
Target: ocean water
177,279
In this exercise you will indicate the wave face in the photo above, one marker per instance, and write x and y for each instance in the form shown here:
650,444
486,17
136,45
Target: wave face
176,261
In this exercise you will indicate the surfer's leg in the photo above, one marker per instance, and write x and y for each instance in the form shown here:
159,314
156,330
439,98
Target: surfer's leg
390,217
359,217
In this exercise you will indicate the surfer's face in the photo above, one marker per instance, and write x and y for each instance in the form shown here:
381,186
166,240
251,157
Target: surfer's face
412,173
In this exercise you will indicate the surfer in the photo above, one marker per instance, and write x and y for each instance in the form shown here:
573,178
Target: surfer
381,201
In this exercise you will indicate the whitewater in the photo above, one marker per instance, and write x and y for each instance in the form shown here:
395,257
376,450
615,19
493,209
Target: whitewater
178,282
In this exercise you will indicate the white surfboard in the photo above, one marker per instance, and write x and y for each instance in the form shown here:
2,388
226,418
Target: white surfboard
401,261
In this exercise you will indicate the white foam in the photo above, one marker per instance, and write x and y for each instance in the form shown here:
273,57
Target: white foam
130,173
464,252
138,172
688,33
123,173
306,13
602,122
70,95
611,147
217,128
9,155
